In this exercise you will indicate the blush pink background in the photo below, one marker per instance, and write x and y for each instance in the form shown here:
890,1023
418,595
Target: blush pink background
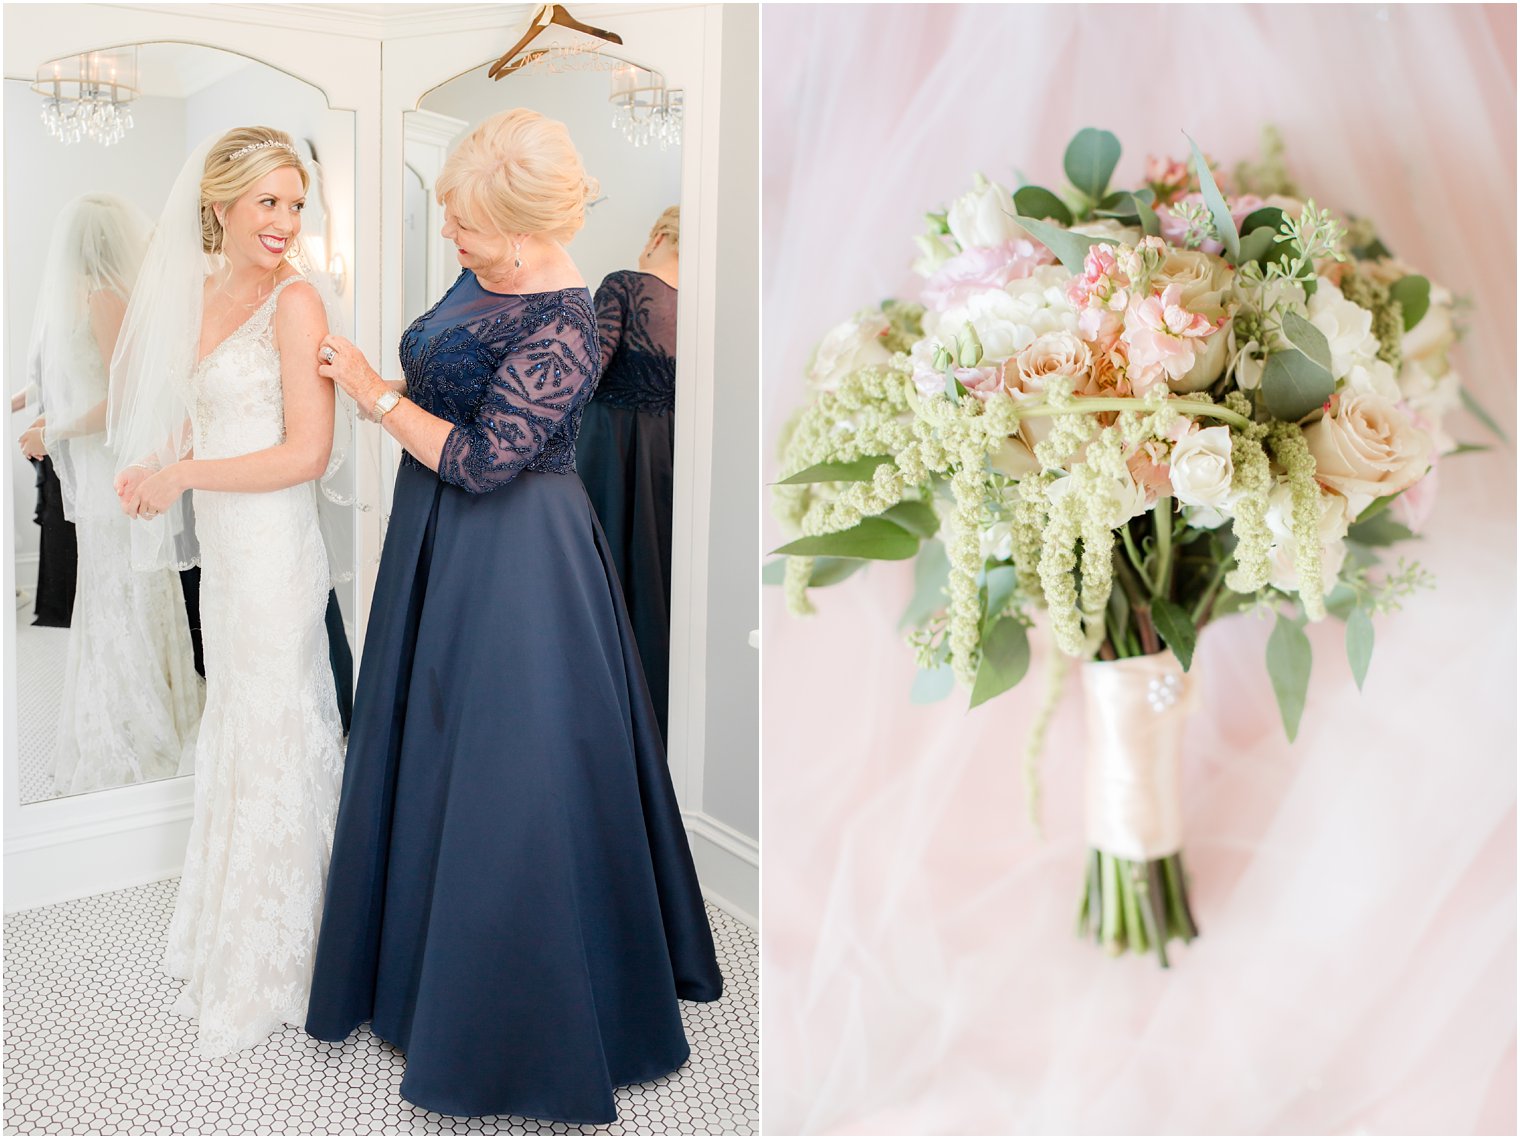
1356,889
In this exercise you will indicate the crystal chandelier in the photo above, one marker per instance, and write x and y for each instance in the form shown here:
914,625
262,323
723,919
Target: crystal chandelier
89,96
644,109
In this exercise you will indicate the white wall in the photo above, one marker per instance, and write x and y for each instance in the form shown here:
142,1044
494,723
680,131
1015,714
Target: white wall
41,177
637,182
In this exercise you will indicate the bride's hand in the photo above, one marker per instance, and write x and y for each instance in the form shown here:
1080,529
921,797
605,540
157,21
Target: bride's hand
156,493
32,445
340,361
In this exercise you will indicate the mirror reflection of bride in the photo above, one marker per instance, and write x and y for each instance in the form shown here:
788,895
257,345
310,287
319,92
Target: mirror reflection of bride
131,696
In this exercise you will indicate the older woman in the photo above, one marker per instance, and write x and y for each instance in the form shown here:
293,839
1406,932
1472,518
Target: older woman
512,901
627,443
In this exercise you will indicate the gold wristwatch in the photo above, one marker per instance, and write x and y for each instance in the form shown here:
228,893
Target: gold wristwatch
386,402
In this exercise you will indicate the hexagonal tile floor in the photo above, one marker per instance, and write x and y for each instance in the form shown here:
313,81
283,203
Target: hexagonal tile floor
92,1046
40,655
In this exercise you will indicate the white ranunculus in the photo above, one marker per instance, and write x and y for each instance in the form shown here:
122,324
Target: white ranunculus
983,217
1366,448
1202,469
848,347
1346,325
1334,520
1009,318
1374,376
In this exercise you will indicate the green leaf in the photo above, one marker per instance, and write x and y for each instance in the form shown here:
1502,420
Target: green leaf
1002,582
1129,207
1379,530
1090,160
1359,644
1340,601
1218,207
1292,385
1289,660
1257,246
932,685
773,573
826,571
1376,507
1176,629
1466,449
1476,409
869,538
931,571
917,518
855,470
953,386
1070,248
1413,294
1038,202
1268,217
1005,659
1307,339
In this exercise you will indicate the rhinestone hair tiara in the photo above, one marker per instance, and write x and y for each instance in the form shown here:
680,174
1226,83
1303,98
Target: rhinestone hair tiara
265,145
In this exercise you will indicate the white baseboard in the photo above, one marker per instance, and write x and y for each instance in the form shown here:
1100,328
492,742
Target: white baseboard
728,866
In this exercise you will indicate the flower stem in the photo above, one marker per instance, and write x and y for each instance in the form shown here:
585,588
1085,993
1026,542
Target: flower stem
1086,405
1208,594
1161,519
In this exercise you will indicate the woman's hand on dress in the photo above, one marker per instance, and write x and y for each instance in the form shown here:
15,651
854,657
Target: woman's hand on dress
153,495
32,445
350,371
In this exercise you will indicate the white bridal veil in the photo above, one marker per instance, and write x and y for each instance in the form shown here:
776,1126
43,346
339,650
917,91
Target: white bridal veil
92,264
152,369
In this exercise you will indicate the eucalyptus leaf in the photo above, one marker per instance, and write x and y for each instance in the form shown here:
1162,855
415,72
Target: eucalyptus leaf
916,518
1467,449
932,685
1376,507
1379,530
1002,582
1218,207
1070,248
931,572
1005,659
1307,339
874,538
1257,246
1176,629
831,571
1038,202
1340,601
1090,160
1125,206
1359,644
1289,660
1413,294
773,573
1292,385
1268,217
854,470
1477,410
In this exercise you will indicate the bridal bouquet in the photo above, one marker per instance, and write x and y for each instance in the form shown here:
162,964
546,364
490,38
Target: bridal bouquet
1136,412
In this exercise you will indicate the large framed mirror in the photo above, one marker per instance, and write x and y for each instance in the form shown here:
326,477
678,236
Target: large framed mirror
86,628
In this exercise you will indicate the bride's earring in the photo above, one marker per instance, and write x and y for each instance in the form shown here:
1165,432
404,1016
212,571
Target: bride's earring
517,254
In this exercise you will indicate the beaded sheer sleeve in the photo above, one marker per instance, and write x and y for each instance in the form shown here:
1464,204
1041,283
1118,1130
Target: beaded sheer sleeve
513,373
636,320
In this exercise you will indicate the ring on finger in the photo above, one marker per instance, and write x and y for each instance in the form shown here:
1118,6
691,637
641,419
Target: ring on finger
329,354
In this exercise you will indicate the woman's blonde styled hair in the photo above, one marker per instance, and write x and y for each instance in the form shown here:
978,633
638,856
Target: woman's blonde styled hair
518,172
234,165
668,226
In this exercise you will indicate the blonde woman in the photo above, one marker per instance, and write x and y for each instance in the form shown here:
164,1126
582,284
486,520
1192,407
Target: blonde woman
131,697
512,901
221,396
627,446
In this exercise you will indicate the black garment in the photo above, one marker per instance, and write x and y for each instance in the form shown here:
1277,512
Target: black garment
58,552
626,455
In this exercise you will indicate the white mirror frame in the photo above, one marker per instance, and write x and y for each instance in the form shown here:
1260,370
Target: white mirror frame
105,840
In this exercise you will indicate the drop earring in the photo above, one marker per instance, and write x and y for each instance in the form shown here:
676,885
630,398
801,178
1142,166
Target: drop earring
517,262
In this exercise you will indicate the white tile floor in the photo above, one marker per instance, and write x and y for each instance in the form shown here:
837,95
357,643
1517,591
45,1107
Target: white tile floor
40,655
91,1047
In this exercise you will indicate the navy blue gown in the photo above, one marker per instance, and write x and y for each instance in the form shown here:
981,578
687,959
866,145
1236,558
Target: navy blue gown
512,901
626,454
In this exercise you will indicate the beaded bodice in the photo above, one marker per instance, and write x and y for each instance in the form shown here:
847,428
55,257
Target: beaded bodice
511,372
636,322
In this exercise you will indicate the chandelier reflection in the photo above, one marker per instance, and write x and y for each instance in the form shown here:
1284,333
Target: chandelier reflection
644,109
89,96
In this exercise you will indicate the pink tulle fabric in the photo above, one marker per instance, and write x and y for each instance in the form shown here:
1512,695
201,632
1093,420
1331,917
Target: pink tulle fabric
1356,889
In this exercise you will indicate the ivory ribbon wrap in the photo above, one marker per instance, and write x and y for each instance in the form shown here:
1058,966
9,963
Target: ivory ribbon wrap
1137,709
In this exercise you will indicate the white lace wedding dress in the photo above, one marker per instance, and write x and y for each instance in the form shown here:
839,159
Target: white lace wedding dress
131,696
269,759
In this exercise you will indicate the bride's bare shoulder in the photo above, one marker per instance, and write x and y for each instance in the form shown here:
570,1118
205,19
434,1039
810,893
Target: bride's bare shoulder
299,310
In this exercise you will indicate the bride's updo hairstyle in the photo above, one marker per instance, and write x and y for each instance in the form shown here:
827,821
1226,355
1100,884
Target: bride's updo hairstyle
234,166
518,172
668,226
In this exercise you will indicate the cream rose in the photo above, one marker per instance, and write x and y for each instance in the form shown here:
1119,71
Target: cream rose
1365,448
1203,280
1202,469
1346,325
983,216
1051,354
848,347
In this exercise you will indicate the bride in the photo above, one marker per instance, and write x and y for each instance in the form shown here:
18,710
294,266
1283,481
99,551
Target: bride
219,395
131,697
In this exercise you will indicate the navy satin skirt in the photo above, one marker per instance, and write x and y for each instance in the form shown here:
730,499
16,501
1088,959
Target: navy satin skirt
512,901
626,458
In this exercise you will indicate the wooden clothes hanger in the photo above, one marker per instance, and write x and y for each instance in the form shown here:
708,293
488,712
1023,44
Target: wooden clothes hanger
546,15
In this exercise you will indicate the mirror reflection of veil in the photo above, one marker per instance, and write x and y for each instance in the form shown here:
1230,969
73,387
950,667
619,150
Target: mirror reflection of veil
131,697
